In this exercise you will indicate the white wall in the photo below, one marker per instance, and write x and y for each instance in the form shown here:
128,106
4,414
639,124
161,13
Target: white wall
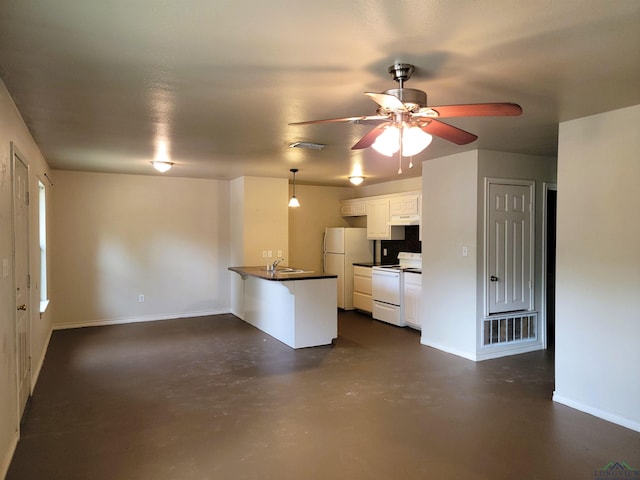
395,186
13,129
452,218
598,266
319,208
514,166
259,223
449,219
116,237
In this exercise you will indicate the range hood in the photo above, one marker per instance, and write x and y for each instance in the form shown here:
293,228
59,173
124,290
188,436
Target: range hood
404,220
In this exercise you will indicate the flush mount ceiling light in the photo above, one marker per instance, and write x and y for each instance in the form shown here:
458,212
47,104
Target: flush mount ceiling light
356,179
307,145
294,201
161,166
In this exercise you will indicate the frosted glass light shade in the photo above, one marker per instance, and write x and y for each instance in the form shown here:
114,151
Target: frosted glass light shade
414,140
294,202
387,143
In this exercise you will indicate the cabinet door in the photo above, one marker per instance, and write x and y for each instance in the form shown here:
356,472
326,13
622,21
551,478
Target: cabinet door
412,306
404,205
378,220
412,299
362,284
362,302
353,208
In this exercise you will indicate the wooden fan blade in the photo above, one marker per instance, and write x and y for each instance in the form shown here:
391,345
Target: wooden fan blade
474,110
449,132
387,101
368,139
361,119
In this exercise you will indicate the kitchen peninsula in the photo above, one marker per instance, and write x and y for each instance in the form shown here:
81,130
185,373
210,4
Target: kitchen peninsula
297,307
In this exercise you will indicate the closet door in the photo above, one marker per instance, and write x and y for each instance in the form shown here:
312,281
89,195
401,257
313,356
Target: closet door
510,247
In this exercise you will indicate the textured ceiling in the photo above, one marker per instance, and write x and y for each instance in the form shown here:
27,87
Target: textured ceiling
101,83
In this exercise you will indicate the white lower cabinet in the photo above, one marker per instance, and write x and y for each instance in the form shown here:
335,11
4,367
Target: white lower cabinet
412,298
362,288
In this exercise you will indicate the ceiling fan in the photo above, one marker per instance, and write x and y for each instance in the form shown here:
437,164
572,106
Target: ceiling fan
405,124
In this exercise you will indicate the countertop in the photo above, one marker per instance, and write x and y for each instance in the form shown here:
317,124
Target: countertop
281,274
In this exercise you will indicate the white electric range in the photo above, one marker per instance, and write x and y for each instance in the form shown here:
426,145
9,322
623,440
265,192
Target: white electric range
387,283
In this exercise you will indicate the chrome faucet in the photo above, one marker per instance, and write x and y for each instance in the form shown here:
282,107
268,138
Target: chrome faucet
275,263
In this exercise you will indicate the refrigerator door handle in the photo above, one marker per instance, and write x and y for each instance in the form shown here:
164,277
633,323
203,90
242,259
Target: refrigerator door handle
324,250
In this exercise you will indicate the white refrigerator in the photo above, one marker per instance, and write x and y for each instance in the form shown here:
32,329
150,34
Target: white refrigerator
341,249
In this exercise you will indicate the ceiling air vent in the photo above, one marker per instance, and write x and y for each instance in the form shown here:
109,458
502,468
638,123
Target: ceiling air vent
307,145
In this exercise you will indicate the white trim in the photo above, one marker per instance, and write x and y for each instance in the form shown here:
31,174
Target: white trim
532,234
452,351
139,319
596,412
490,351
35,370
546,187
16,156
6,461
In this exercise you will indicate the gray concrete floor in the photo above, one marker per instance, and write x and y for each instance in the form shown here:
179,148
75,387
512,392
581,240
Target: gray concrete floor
214,398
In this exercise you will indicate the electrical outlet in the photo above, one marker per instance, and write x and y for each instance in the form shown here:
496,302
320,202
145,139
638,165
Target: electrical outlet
465,251
279,253
264,254
270,253
141,298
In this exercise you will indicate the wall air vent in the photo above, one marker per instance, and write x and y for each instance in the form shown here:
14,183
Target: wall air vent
307,145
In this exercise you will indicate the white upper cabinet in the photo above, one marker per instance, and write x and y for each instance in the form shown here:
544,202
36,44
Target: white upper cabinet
404,205
356,207
378,227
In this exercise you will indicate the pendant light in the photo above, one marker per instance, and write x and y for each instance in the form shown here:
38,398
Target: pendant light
294,201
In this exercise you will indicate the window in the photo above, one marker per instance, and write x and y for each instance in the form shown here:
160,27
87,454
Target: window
42,218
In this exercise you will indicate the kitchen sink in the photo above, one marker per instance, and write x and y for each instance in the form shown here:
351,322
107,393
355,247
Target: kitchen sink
293,270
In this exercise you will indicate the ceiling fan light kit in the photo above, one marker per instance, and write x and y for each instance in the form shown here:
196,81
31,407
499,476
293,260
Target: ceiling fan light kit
356,179
409,140
405,124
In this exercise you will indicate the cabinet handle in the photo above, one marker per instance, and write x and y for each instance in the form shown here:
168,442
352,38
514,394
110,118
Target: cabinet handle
22,307
493,278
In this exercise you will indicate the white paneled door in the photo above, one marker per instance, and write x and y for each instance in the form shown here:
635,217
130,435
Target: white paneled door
23,325
510,247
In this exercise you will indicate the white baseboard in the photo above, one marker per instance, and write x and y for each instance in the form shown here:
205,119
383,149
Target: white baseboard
498,351
452,351
8,456
596,412
35,368
138,319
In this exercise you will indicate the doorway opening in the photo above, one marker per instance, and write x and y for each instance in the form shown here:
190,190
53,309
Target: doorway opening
549,291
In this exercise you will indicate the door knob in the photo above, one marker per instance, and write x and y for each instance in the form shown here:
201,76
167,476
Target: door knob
22,307
493,278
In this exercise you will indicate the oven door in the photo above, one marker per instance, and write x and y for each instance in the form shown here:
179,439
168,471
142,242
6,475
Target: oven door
385,286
